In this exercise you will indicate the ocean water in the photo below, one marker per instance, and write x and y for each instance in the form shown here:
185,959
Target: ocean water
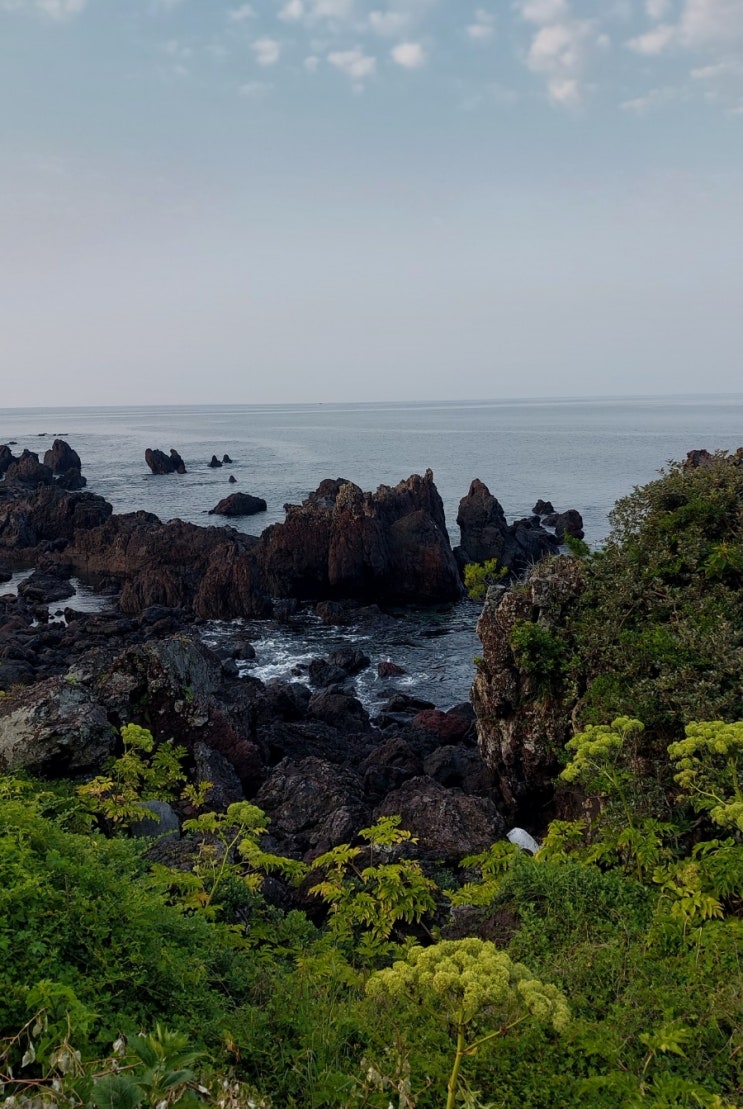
583,453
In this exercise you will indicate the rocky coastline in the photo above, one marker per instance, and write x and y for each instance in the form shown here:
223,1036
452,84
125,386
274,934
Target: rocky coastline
306,752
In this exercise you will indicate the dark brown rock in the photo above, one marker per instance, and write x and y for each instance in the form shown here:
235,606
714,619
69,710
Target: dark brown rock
448,824
161,463
239,504
390,546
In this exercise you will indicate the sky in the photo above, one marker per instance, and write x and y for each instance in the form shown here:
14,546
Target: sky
357,200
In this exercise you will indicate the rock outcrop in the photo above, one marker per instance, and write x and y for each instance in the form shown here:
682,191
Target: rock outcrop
64,462
524,716
390,546
160,463
486,534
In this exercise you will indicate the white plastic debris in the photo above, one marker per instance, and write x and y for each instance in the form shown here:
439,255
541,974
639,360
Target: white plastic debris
523,840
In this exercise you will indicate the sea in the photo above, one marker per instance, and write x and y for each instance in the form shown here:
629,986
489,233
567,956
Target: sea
582,453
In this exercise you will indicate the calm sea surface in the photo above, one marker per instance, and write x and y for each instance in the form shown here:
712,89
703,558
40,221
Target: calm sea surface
576,453
580,454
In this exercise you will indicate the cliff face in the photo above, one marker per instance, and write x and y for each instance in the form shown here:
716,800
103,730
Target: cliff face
520,695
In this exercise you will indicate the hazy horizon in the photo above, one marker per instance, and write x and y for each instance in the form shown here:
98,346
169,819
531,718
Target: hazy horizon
311,200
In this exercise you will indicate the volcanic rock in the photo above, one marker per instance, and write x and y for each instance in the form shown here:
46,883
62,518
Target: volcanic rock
566,523
214,464
389,546
239,504
161,463
486,534
447,823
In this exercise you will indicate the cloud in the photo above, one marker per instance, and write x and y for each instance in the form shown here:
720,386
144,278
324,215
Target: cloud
560,52
311,64
267,51
544,11
388,23
60,10
255,90
655,41
354,63
292,11
702,24
239,15
331,10
655,98
657,9
409,55
483,27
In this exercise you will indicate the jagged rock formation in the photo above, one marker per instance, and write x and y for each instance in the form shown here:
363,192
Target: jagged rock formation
486,534
159,462
523,716
388,546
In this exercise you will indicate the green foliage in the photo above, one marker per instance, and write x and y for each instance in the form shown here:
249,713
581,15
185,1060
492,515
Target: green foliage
141,773
709,769
658,632
224,839
479,576
369,902
469,983
539,653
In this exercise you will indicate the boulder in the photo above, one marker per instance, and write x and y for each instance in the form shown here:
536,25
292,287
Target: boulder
214,464
542,508
226,460
389,669
566,523
238,504
232,479
65,464
41,588
447,823
313,805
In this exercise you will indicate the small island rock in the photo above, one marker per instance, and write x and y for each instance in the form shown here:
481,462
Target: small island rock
239,504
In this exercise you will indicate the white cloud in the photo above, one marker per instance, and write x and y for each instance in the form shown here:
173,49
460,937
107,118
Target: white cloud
544,11
311,63
657,9
175,49
388,23
710,72
559,52
354,63
702,24
255,90
332,10
655,41
409,55
655,98
59,10
239,15
481,30
267,51
292,11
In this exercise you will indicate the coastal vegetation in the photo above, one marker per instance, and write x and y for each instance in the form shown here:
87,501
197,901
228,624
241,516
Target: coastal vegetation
603,971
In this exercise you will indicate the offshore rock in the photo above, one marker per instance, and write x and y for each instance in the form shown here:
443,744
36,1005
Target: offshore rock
160,463
486,534
521,725
65,464
239,504
566,523
390,546
28,472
